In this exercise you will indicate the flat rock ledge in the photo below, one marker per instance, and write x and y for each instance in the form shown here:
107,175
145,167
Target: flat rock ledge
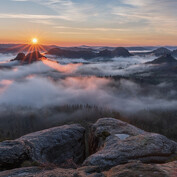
60,145
132,169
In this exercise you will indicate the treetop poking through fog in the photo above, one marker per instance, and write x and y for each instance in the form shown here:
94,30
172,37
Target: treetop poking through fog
90,22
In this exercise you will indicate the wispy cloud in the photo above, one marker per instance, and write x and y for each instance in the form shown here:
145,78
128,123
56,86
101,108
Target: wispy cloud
91,29
123,19
29,16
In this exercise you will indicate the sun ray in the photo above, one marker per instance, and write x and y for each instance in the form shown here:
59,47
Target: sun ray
14,47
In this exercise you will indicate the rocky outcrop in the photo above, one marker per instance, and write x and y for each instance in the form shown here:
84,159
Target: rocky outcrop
167,59
56,145
115,142
60,146
29,58
132,169
33,56
117,149
20,56
12,154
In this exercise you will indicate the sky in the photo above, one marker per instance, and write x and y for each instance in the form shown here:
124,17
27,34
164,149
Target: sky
89,22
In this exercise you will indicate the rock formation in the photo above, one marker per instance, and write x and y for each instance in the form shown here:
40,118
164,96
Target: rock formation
29,58
54,145
114,142
117,149
20,57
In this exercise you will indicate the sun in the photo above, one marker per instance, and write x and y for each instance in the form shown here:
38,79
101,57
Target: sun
34,40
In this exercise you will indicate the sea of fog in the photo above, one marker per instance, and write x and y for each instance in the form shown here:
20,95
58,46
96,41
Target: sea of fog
79,81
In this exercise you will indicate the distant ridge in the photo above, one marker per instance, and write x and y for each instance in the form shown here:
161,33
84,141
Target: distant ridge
163,59
89,54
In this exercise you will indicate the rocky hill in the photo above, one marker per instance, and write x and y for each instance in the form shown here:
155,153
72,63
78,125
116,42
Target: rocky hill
116,149
161,51
168,59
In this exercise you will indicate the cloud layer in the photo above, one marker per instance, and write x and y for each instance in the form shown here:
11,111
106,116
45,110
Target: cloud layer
40,84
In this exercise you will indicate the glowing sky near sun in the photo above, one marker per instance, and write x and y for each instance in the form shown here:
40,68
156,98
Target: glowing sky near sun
89,22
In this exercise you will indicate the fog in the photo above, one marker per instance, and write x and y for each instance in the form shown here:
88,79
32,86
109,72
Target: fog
57,91
70,82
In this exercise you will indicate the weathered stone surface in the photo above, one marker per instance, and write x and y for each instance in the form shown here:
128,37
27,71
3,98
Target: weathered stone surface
135,169
57,172
56,145
12,153
116,142
62,145
132,169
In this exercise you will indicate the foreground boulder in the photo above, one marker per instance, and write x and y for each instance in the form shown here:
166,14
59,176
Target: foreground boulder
132,169
62,145
115,142
12,154
56,145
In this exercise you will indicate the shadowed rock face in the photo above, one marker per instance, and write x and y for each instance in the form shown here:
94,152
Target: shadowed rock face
29,58
111,147
20,56
54,145
164,59
12,154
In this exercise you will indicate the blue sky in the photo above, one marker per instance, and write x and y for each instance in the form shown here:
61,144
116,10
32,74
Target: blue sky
91,22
